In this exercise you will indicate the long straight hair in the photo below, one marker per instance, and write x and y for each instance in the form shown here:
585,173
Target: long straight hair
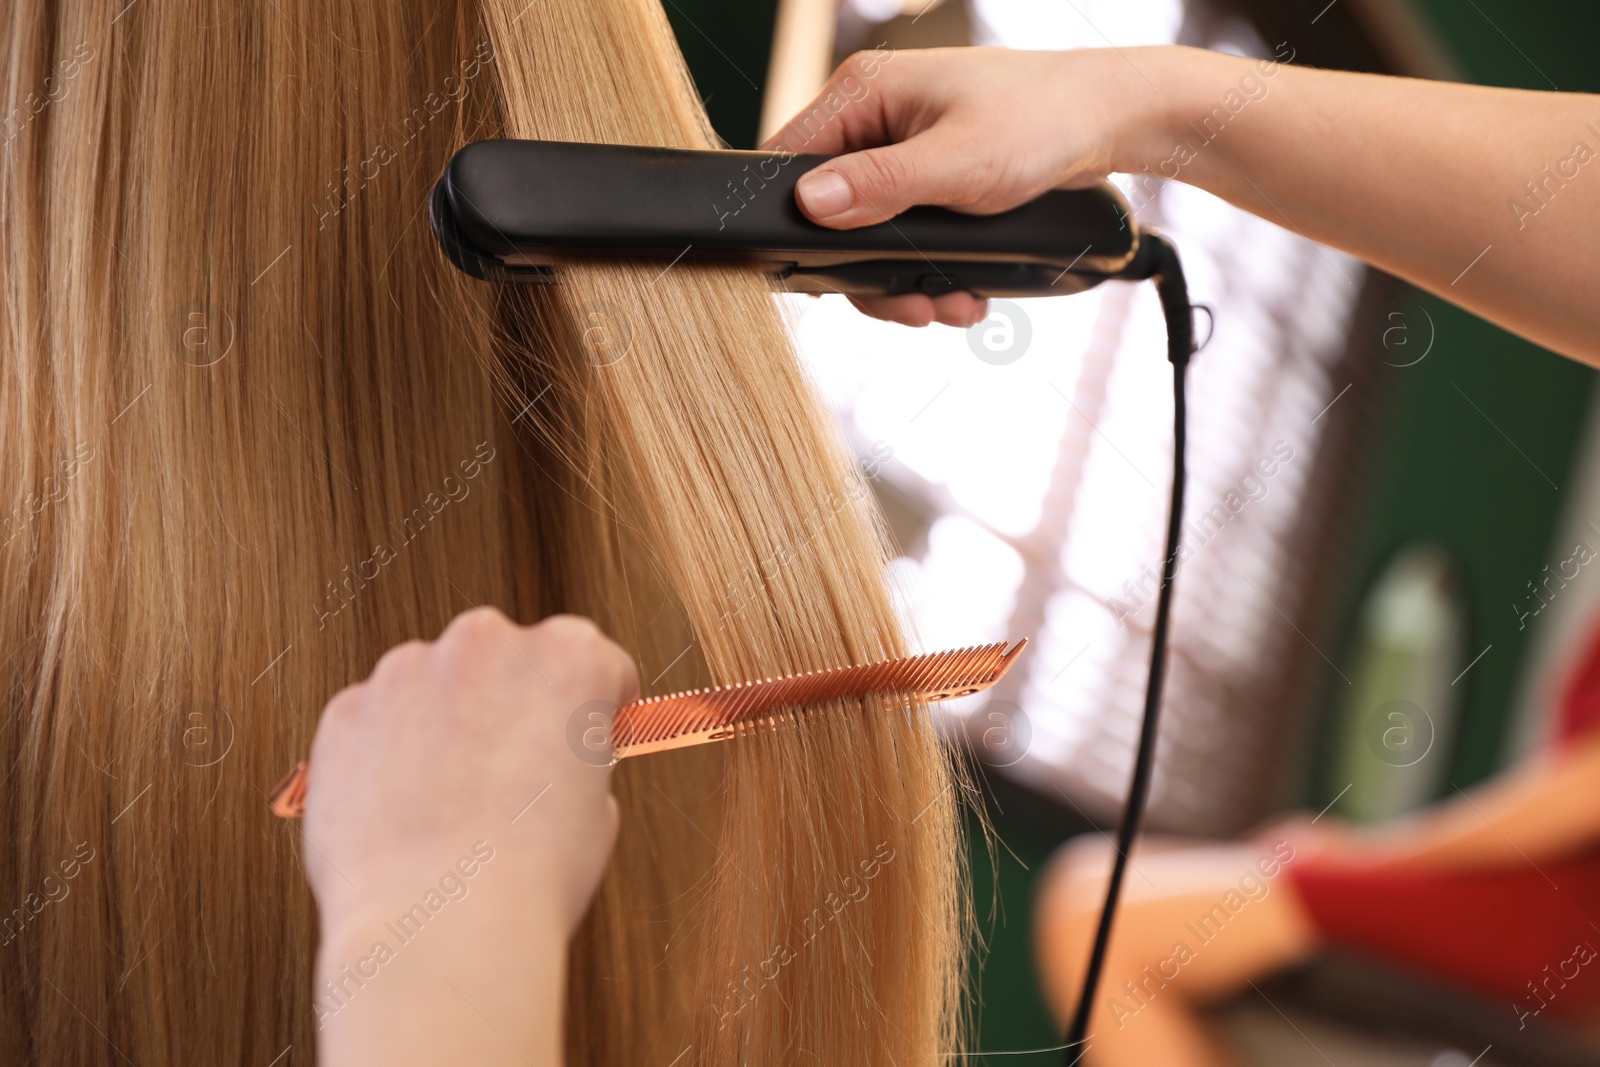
257,431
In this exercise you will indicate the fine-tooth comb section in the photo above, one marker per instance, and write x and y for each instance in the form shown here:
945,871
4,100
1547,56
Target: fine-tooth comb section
701,715
678,720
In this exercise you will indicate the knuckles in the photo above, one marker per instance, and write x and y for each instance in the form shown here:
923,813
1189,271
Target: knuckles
885,66
345,701
581,657
566,651
401,660
858,65
564,629
476,626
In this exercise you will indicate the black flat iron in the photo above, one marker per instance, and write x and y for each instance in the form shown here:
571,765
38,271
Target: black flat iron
518,211
514,211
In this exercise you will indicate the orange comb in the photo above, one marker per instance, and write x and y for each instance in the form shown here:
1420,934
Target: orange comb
699,716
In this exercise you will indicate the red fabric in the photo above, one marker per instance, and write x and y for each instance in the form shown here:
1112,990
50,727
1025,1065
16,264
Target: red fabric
1527,933
1508,935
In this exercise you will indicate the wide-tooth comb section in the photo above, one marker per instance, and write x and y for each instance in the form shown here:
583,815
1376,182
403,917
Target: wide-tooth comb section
679,720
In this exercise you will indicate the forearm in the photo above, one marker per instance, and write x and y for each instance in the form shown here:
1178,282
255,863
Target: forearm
1542,811
1427,180
469,986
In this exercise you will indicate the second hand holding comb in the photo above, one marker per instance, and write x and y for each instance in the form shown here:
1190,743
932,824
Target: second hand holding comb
700,716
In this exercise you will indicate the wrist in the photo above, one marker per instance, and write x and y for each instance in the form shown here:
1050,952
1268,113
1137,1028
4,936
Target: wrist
1153,91
1182,99
515,921
481,980
400,890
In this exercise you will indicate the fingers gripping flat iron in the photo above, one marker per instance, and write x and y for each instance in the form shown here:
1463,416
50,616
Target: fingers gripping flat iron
517,211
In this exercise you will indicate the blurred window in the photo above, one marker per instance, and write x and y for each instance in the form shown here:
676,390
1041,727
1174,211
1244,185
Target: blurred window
1028,467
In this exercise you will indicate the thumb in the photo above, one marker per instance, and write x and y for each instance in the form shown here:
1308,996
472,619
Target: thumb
861,188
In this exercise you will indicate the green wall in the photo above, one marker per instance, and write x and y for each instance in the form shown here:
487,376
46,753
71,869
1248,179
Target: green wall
1006,1004
1442,472
726,44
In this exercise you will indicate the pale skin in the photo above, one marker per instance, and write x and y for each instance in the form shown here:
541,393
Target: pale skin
444,744
444,747
1412,176
1415,177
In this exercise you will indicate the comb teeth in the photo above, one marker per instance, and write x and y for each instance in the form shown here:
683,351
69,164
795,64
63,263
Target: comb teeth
702,715
679,720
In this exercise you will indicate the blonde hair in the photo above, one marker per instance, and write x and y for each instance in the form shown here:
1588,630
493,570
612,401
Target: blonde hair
257,432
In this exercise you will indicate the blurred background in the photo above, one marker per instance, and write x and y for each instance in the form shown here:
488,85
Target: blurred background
1380,488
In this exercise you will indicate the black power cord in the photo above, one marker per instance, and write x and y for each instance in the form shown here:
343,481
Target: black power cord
1158,259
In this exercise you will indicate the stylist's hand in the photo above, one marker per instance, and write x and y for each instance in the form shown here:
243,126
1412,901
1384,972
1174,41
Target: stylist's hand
450,772
975,129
